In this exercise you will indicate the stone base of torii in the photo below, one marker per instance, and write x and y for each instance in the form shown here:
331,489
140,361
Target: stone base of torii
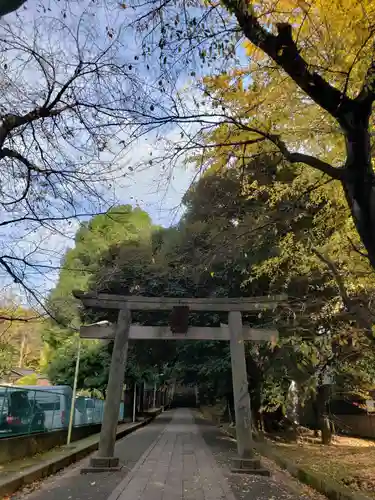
235,332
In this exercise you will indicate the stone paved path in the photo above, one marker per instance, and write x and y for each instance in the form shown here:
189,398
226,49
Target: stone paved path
179,456
178,465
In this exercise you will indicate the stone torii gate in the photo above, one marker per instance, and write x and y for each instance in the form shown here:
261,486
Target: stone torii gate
235,332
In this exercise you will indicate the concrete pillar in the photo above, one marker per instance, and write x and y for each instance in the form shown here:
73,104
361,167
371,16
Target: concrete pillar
245,460
154,398
173,391
104,458
134,401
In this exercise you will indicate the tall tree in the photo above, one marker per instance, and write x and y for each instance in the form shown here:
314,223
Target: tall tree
95,242
310,75
251,229
20,337
265,221
120,225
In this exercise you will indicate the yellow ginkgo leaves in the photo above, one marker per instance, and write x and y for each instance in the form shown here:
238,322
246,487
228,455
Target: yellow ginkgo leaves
335,37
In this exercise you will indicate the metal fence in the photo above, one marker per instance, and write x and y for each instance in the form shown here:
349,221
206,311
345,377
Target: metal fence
25,410
148,397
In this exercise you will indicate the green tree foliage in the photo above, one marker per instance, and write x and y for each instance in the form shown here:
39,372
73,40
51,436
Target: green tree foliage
255,228
6,356
120,225
94,365
20,337
293,225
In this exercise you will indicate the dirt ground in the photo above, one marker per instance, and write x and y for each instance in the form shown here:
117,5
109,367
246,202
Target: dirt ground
350,461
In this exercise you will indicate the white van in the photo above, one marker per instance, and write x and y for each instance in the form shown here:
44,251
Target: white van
56,402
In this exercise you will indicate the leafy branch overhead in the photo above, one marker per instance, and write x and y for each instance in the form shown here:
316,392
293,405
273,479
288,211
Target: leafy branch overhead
69,109
308,82
8,6
352,113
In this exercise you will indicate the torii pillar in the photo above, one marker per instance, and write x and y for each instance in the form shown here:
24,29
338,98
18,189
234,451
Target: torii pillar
245,462
105,459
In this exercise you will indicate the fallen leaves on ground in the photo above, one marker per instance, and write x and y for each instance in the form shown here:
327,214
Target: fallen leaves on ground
350,461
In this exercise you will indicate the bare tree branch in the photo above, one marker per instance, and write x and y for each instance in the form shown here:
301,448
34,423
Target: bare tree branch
357,308
337,276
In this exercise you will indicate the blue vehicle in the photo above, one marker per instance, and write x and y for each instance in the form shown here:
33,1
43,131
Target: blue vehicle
19,415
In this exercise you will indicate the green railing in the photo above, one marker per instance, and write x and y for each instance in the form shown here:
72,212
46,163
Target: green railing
26,410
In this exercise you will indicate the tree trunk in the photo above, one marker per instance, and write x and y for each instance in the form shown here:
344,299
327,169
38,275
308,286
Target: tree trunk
315,411
225,416
324,421
359,189
326,430
359,182
360,196
261,422
232,414
22,351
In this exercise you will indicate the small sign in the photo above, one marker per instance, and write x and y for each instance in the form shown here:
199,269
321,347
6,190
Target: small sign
327,378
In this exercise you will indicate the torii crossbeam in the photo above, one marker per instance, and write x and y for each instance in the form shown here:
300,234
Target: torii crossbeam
235,332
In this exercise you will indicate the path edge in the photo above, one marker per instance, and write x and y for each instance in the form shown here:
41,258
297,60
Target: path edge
12,484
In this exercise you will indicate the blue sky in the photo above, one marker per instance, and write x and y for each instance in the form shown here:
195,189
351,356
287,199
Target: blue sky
156,192
156,188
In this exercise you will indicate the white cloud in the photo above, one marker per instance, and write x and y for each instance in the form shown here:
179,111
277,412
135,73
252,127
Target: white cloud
154,181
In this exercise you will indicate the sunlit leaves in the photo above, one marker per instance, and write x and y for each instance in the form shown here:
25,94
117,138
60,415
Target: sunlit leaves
334,37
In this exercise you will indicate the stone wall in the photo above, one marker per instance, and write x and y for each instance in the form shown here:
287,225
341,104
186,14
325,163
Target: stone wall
17,447
355,425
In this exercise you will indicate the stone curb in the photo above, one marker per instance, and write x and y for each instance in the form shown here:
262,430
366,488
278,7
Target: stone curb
10,485
332,489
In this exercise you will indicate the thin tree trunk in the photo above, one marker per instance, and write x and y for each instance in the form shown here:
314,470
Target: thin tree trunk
22,351
229,408
324,420
141,397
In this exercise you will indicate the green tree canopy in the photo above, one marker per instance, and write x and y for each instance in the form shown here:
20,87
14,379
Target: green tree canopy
120,225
